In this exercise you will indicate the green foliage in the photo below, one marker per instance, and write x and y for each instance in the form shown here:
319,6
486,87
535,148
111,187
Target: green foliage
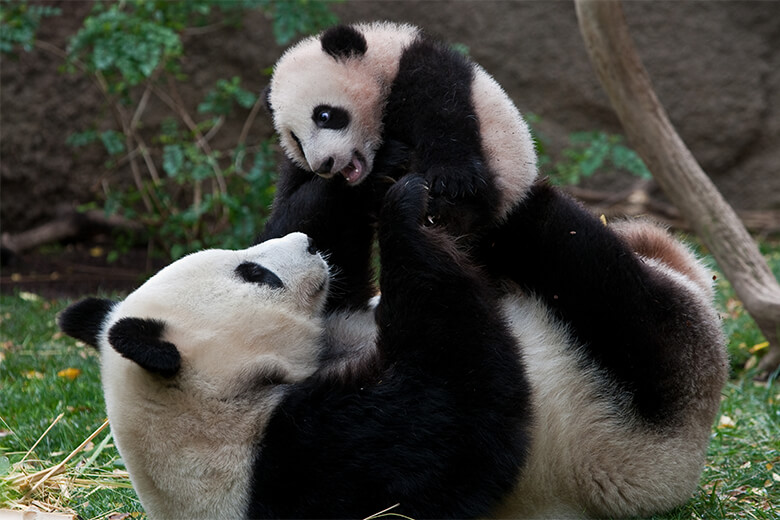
588,154
123,45
19,24
188,193
293,17
221,98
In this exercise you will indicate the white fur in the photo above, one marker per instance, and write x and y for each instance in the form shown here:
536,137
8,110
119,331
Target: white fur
189,442
305,77
589,456
506,140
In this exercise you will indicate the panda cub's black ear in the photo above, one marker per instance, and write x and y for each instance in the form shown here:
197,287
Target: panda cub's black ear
140,340
84,320
343,41
267,99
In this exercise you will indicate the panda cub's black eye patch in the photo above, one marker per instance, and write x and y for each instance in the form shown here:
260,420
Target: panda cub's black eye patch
256,273
332,118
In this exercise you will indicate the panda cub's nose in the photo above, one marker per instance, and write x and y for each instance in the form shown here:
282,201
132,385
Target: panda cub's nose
326,166
312,249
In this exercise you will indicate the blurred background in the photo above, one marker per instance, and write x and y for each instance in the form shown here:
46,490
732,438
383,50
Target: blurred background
136,128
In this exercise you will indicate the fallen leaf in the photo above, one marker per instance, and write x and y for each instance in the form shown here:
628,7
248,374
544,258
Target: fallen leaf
726,422
69,373
758,346
29,297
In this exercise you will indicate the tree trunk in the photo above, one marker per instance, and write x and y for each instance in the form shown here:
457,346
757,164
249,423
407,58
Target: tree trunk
652,135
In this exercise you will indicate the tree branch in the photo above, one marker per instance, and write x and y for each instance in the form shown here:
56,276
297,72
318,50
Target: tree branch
652,135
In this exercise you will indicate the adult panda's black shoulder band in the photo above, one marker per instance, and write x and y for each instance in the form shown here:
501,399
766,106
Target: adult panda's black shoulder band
343,41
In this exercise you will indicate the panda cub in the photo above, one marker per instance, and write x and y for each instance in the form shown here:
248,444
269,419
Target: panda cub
224,403
384,99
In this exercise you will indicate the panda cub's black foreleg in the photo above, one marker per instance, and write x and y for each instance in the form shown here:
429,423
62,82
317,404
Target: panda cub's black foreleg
339,218
430,109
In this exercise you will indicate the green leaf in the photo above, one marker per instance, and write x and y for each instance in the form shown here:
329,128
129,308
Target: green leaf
19,23
79,139
113,142
173,159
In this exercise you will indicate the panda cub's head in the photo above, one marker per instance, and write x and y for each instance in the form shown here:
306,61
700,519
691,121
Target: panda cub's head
328,93
214,317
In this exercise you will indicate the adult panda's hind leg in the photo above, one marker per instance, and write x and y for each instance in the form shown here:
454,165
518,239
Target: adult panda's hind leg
650,328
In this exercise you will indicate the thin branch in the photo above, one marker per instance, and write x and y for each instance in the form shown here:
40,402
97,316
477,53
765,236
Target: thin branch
648,128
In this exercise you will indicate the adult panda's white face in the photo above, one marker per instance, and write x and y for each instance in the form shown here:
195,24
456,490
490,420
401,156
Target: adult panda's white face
194,362
219,316
328,94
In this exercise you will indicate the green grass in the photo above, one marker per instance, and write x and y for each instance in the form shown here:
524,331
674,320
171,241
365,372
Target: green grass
741,478
36,389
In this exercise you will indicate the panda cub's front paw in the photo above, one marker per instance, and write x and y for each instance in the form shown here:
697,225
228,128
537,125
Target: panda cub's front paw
407,201
454,182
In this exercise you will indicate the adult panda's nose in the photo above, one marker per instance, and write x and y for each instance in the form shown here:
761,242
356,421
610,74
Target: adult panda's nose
325,167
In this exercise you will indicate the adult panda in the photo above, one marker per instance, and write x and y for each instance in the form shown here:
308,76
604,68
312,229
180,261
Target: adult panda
615,324
225,402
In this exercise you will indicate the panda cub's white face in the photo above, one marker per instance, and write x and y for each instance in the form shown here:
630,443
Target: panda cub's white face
327,113
328,110
235,312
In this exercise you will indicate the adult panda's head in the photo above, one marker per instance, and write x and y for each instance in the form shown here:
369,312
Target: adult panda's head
214,318
328,93
194,362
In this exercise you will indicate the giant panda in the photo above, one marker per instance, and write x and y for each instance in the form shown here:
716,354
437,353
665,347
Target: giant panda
226,400
383,99
614,324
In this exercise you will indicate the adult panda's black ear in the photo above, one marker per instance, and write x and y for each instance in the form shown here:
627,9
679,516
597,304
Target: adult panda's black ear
343,41
267,99
140,340
84,319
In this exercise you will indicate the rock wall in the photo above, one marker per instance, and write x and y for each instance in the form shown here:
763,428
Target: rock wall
715,66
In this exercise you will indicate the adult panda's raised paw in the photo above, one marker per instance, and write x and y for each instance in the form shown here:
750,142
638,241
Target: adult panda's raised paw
407,201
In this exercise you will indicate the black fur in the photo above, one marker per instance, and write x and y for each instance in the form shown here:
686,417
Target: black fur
430,129
430,111
332,118
633,323
343,41
139,340
255,273
339,218
440,428
84,319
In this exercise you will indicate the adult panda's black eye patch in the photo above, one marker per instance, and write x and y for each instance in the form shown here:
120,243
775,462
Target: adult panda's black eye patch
332,118
256,273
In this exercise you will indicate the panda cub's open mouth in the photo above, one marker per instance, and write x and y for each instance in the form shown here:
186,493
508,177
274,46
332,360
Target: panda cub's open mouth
356,170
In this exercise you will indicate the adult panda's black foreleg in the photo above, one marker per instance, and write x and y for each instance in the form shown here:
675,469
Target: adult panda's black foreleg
439,426
339,218
642,326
